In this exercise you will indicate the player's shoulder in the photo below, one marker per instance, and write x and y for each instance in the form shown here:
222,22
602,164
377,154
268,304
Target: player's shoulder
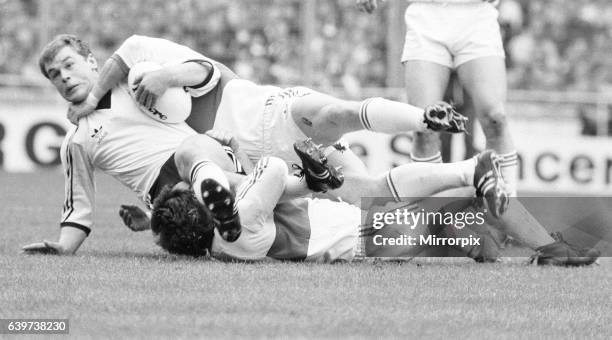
136,41
137,38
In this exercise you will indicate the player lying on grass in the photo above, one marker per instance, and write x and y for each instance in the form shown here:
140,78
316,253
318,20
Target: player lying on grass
295,229
118,138
320,230
266,120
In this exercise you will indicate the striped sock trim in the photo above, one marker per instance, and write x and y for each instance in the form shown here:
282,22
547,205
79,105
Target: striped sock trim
508,157
363,114
196,169
508,165
436,158
392,187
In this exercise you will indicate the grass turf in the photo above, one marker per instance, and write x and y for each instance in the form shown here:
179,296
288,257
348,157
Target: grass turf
120,285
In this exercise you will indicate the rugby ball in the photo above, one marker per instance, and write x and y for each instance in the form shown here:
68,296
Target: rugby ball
174,106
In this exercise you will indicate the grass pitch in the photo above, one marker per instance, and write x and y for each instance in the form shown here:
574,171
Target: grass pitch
120,285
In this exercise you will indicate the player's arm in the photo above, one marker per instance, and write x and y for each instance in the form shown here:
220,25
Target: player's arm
78,210
69,241
151,85
112,73
181,67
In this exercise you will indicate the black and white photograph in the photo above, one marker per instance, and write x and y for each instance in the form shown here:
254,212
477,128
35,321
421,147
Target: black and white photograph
222,169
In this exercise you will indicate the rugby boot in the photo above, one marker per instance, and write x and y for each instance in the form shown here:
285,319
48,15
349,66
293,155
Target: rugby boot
561,253
490,184
222,205
320,176
442,117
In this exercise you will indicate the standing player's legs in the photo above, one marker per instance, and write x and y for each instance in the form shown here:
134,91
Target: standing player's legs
484,79
425,83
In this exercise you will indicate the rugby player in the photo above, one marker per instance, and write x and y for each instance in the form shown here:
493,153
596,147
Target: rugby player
469,42
117,138
267,120
323,230
297,229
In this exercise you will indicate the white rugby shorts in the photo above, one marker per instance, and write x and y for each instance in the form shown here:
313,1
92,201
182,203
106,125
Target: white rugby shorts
451,34
259,117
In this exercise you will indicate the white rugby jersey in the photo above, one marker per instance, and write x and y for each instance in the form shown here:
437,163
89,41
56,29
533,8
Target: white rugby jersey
138,48
121,141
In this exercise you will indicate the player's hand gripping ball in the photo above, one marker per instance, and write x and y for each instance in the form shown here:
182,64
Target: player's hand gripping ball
172,106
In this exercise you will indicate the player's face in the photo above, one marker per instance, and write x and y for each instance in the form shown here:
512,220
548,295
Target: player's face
72,74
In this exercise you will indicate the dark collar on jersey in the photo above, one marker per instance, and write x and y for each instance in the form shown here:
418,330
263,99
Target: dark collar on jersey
105,102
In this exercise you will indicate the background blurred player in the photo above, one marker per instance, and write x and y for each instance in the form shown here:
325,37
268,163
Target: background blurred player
469,42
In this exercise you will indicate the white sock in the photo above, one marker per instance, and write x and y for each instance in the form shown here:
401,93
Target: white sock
509,168
205,170
436,158
426,179
383,115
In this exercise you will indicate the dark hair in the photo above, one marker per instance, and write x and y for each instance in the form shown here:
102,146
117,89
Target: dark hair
183,224
59,42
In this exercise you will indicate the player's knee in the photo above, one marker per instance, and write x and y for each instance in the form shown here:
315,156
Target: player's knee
197,147
332,121
494,121
276,167
186,151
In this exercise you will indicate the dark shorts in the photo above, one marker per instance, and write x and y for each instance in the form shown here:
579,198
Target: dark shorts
168,175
